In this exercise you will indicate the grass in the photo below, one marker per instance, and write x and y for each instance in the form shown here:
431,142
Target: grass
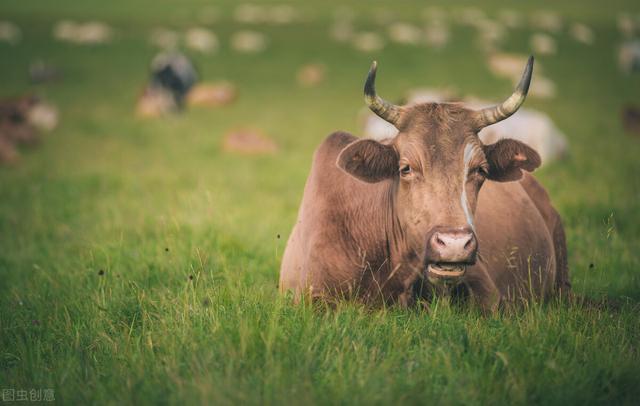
139,261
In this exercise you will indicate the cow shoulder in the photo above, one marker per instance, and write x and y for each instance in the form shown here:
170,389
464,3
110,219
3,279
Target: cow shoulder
552,218
540,197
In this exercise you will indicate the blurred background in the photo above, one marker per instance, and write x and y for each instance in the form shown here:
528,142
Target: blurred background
129,123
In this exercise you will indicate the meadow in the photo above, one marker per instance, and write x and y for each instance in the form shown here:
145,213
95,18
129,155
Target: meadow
139,260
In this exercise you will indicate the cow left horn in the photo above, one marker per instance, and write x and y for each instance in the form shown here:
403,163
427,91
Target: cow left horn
492,115
385,110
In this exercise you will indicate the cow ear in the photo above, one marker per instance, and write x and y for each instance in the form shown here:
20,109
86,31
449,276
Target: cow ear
369,160
508,157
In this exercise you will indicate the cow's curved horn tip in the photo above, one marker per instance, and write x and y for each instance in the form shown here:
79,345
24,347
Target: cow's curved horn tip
529,67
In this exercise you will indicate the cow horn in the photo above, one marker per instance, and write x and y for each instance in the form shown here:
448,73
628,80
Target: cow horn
387,111
492,115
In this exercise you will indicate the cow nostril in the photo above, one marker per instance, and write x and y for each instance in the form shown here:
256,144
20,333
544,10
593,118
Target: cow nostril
440,242
468,244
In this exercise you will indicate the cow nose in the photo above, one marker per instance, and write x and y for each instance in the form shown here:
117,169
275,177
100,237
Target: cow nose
452,246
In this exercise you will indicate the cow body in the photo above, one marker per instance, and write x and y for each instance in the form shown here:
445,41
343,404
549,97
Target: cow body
432,210
346,242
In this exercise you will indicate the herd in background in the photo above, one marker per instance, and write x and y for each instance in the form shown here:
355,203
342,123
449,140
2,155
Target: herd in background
174,83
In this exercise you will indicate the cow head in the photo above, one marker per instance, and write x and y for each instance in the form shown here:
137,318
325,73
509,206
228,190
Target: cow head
437,165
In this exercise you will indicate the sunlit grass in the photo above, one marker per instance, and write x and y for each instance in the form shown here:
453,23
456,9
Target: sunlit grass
139,261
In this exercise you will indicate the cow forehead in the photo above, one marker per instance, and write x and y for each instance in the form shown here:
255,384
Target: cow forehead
437,117
438,133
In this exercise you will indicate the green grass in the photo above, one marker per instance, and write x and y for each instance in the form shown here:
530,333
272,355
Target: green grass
190,237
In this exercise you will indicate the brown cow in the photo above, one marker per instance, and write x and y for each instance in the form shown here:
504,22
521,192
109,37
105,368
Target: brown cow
431,210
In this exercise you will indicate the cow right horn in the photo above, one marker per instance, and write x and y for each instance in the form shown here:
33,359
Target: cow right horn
492,115
385,110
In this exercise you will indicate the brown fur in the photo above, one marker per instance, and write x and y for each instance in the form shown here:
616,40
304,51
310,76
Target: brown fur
554,223
363,223
368,160
503,161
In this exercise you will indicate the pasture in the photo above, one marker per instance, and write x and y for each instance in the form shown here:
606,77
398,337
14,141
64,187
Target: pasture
139,260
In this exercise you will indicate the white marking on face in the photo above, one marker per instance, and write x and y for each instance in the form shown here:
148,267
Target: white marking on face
469,151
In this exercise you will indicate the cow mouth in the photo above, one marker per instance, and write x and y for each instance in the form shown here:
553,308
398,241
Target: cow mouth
445,272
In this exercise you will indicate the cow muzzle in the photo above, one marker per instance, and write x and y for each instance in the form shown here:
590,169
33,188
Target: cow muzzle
449,252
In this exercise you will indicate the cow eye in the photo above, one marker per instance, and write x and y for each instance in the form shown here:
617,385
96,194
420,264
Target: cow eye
405,170
481,171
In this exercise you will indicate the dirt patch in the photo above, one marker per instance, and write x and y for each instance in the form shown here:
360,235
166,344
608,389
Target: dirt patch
249,142
212,94
311,75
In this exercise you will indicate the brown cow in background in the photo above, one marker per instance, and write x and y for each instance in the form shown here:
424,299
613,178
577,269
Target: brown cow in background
430,210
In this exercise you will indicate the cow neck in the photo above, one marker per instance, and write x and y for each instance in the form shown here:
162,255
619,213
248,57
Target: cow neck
372,226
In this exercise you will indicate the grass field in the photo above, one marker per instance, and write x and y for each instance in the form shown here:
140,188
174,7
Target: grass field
189,237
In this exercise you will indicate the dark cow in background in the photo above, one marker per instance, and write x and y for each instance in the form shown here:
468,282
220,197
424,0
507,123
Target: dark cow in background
172,77
431,210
